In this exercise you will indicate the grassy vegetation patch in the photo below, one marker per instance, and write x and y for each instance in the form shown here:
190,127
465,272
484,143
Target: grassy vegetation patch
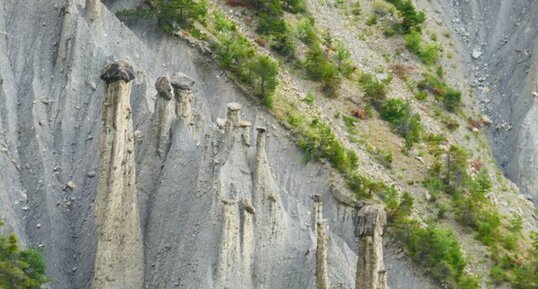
450,97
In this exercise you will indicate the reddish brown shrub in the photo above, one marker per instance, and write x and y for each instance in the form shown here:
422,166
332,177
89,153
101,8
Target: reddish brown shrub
474,123
477,164
401,70
358,113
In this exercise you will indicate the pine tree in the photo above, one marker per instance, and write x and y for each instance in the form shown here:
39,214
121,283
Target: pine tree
20,269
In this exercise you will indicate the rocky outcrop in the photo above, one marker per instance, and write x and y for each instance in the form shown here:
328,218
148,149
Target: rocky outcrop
119,260
371,272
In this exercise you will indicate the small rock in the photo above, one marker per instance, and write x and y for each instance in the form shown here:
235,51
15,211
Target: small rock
486,120
91,174
71,185
221,122
476,53
535,94
427,196
25,208
74,269
38,226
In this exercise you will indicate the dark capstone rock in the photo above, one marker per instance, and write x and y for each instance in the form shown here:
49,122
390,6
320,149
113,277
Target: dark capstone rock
181,81
163,87
116,71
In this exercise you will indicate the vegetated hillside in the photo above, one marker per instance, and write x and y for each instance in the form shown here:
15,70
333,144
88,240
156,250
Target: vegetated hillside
363,102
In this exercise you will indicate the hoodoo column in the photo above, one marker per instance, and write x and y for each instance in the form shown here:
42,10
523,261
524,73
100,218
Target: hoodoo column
371,272
119,259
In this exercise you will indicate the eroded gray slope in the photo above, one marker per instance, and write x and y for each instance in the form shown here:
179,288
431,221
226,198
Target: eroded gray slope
503,36
50,109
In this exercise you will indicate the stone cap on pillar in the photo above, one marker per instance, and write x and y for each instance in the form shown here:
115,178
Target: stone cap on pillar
116,71
181,81
371,220
245,124
234,106
163,87
232,114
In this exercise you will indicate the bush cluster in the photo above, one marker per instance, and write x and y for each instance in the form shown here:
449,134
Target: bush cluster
450,97
411,18
471,206
398,114
236,54
318,141
374,90
428,54
171,14
430,246
319,68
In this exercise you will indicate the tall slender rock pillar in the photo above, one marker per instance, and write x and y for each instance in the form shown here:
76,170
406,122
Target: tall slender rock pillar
322,279
119,258
163,116
371,272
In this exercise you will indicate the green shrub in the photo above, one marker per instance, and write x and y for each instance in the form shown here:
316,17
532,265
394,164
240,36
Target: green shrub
294,6
395,111
398,114
320,142
343,59
516,224
413,42
306,31
372,20
279,32
433,248
265,71
450,97
319,68
236,54
221,23
455,176
428,54
406,204
20,269
526,276
382,8
172,14
390,197
421,95
375,91
356,8
468,282
411,19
